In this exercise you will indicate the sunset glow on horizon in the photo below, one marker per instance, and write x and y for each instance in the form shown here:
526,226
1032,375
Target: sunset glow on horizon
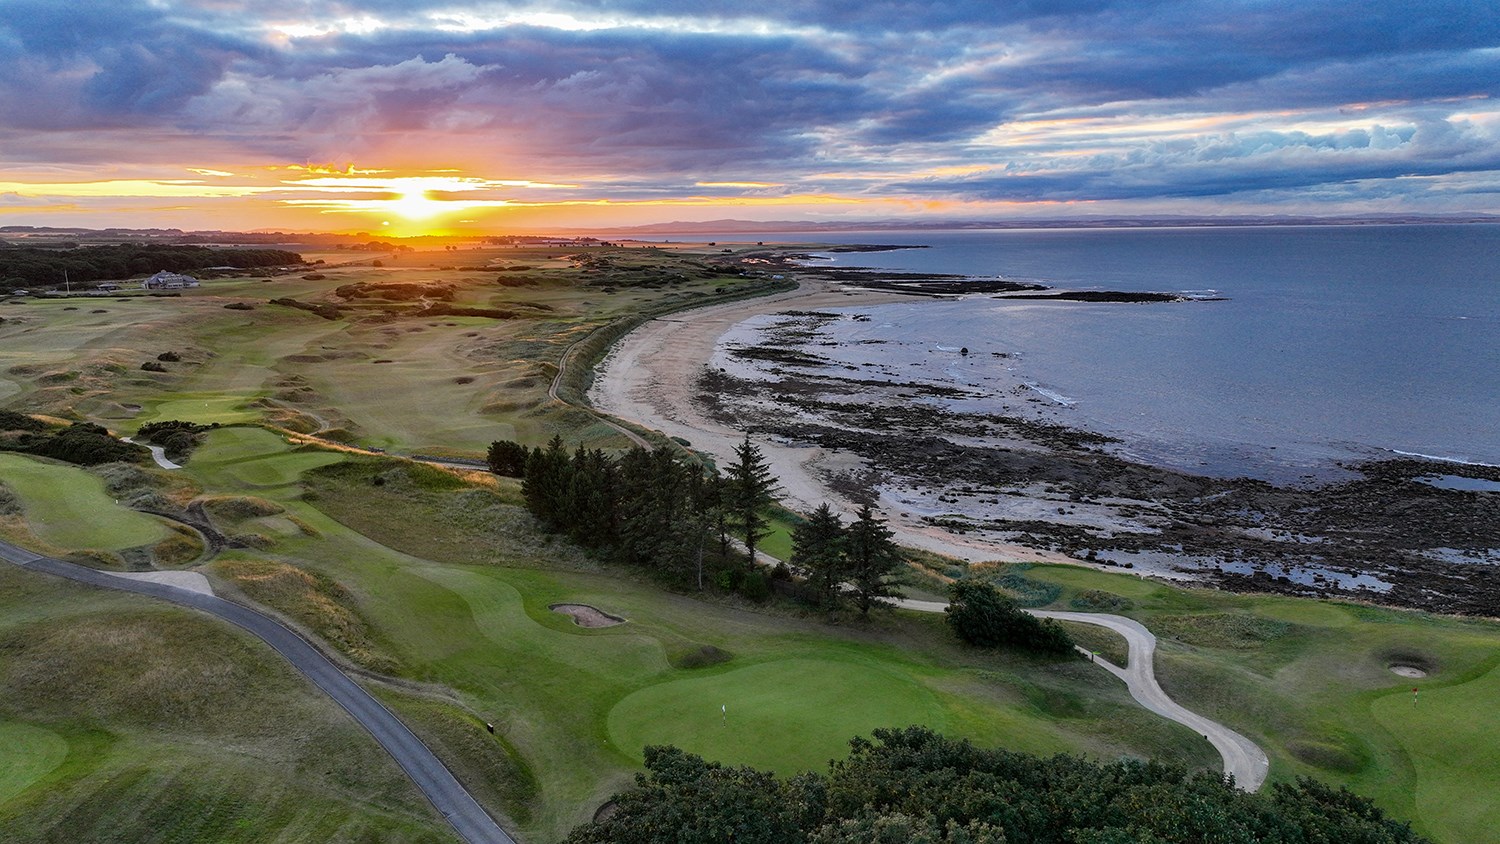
441,117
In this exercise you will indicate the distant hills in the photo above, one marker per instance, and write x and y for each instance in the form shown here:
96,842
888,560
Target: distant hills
44,235
927,224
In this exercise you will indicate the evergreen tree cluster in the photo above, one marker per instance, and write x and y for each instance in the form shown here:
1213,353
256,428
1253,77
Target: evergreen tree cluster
649,509
847,563
980,615
913,786
30,266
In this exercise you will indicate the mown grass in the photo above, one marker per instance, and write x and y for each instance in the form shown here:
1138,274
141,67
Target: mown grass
452,584
785,715
27,754
1310,681
68,507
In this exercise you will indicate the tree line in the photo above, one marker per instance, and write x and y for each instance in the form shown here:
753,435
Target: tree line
654,510
914,786
26,266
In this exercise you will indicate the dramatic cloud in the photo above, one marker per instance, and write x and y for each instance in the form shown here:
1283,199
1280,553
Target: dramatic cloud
832,108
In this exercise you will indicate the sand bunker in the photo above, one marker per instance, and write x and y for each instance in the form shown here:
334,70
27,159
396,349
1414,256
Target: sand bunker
587,616
1411,671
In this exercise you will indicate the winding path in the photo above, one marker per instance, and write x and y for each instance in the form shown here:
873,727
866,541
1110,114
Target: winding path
439,785
1242,757
158,453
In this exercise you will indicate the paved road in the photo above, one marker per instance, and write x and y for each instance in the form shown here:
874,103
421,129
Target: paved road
436,781
1242,757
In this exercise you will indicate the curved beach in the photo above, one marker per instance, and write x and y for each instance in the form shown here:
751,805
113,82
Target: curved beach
649,378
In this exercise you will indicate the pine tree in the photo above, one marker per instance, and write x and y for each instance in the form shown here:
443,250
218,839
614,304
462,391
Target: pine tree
751,489
507,458
818,547
546,483
591,505
873,559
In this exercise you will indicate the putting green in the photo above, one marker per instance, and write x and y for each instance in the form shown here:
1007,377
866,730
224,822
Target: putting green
1453,740
203,408
789,715
68,507
27,754
227,445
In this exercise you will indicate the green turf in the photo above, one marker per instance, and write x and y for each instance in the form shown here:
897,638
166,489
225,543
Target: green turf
551,686
68,507
785,715
27,754
202,408
248,457
1453,739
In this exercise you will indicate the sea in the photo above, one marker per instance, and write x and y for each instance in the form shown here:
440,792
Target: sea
1303,348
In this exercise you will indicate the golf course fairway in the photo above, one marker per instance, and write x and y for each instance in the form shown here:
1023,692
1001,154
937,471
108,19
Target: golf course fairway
27,754
68,507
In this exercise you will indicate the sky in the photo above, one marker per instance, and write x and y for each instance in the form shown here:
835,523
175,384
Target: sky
422,116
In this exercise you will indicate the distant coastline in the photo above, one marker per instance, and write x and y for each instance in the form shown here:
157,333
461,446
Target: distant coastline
983,485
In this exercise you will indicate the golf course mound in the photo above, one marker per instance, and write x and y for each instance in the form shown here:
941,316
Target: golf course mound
787,715
587,616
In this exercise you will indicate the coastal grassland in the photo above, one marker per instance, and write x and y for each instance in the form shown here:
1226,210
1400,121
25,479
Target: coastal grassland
125,720
1310,681
449,586
68,508
383,373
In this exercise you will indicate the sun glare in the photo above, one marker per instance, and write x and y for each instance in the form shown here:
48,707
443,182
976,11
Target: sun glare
417,205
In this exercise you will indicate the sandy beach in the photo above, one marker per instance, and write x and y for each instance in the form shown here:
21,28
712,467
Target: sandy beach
649,378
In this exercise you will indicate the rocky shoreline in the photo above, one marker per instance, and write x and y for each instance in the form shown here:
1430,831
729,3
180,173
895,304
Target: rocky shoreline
1381,535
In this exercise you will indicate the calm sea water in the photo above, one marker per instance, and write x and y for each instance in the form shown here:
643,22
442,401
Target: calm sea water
1331,343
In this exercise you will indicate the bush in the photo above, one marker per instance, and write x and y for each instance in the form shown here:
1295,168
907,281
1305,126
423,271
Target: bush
1095,600
240,306
507,458
153,366
176,437
12,421
80,443
169,357
756,587
981,616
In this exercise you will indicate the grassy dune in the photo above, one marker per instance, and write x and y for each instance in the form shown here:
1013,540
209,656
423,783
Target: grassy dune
122,720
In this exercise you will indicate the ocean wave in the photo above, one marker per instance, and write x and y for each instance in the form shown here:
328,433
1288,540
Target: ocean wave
1055,396
1458,460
